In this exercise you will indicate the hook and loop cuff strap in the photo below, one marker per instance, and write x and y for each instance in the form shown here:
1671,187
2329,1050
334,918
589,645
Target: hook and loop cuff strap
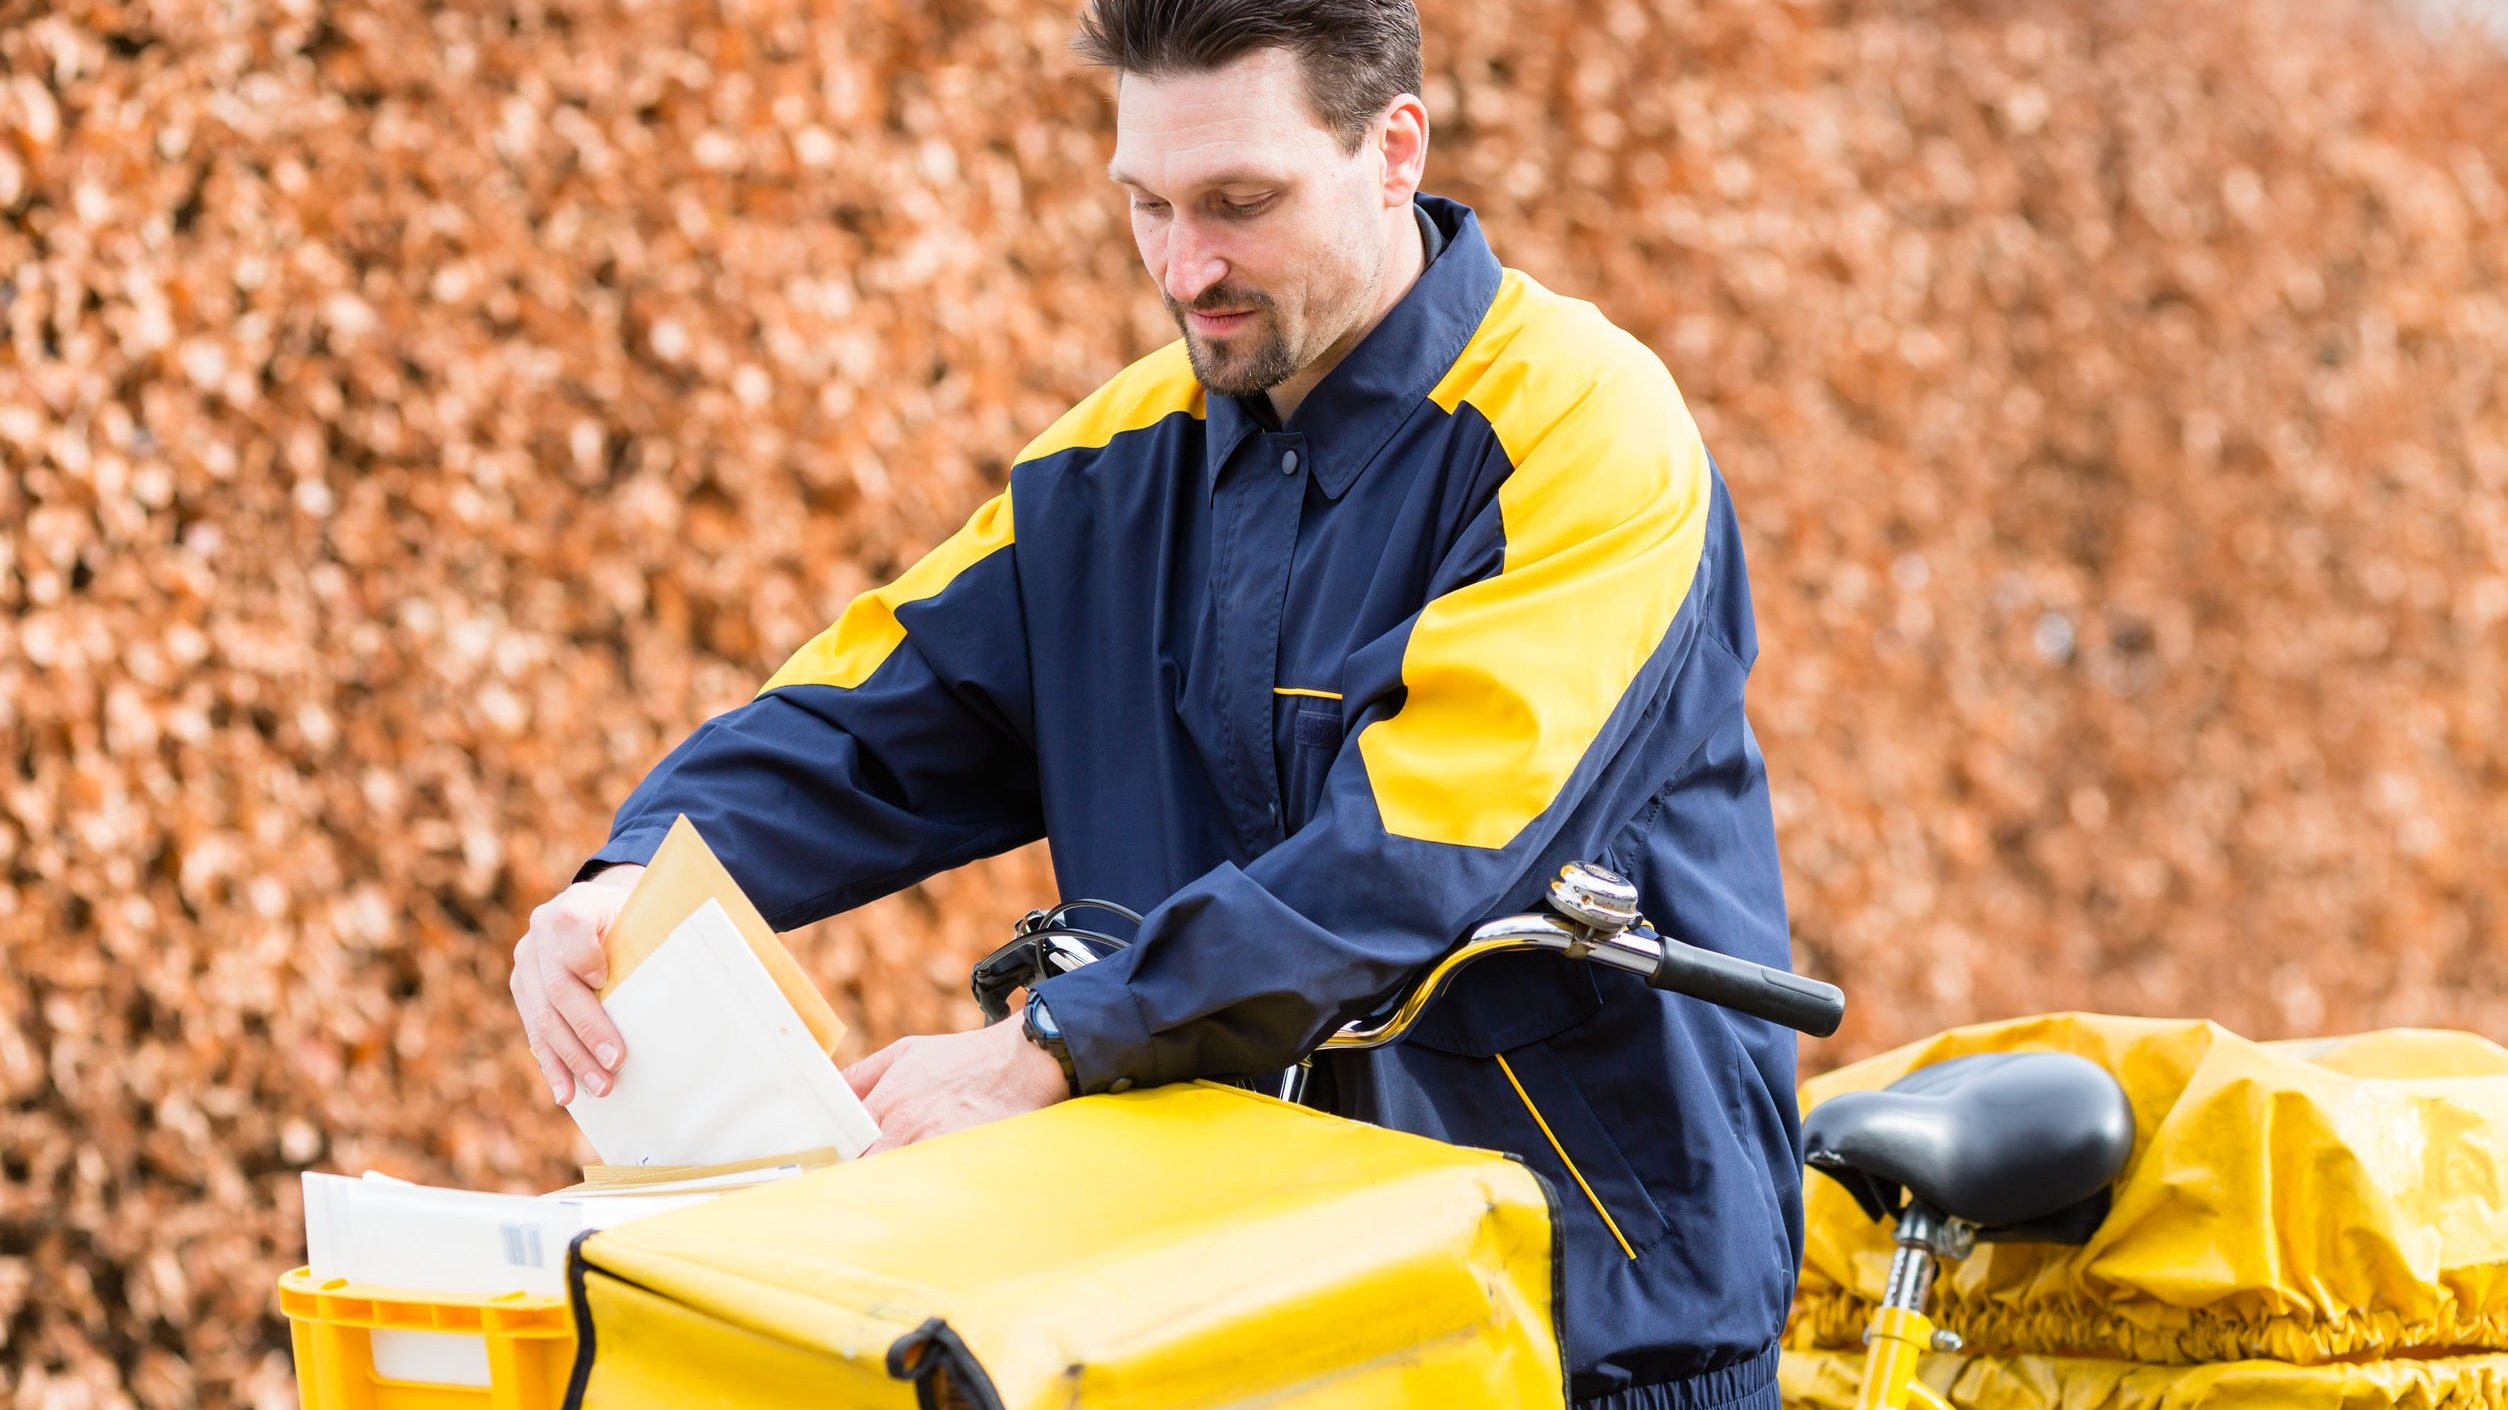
944,1372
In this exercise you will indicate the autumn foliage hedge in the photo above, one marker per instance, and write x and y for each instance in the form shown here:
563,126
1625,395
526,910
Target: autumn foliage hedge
416,418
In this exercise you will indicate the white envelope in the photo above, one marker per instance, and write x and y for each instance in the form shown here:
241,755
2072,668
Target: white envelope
719,1065
417,1237
397,1235
420,1239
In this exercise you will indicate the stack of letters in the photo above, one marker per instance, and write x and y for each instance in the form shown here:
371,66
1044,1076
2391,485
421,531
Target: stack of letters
727,1085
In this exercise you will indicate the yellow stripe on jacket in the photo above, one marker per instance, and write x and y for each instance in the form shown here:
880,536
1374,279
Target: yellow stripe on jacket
1511,679
862,638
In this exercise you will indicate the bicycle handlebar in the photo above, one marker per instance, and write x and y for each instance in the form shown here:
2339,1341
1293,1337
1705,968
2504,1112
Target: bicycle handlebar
1592,916
1803,1004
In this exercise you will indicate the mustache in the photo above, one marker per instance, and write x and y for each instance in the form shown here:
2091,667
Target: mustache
1219,298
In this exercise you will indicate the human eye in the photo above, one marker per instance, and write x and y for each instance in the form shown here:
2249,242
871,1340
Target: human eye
1148,205
1244,209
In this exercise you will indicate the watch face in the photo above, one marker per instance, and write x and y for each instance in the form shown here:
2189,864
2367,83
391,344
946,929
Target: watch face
1037,1025
1040,1019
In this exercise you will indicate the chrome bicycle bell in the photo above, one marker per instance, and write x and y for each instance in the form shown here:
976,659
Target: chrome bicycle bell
1598,899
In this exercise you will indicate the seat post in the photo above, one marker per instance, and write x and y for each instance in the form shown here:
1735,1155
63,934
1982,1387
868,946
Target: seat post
1900,1332
1911,1277
1923,1237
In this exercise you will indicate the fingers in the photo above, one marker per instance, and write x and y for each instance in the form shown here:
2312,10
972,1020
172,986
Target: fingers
561,1055
533,1007
559,1042
581,1032
561,1082
866,1074
558,964
572,968
910,1118
574,924
919,1088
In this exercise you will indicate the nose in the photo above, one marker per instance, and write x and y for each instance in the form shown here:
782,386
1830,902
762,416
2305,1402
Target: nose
1194,263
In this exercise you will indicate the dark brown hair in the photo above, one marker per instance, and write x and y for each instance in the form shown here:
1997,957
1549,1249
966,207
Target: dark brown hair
1357,55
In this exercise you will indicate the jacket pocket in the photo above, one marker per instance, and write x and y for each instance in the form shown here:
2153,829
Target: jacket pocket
1596,1169
1503,1002
1314,741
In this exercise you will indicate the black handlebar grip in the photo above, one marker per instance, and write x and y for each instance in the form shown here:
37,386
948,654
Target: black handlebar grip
1802,1004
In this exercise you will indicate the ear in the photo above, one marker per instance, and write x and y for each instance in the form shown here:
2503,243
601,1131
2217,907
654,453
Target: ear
1402,140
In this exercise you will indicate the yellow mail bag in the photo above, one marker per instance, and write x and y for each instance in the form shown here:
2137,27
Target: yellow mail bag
1190,1246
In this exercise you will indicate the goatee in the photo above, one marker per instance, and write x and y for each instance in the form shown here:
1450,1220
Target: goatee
1252,361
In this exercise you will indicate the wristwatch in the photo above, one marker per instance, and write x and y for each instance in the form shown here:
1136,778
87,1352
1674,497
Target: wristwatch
1037,1023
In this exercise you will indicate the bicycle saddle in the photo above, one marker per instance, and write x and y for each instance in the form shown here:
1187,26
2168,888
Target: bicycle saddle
2023,1145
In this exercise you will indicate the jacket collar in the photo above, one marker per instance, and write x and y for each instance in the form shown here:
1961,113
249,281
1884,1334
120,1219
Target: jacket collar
1350,415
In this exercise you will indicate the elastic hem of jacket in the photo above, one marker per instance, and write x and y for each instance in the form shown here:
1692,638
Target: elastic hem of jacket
1735,1385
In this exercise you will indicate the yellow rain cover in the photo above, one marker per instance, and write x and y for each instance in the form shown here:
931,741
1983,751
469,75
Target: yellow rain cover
1826,1380
2288,1205
1182,1247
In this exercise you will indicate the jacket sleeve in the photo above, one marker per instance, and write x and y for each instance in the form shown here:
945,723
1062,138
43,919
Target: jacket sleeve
896,743
1504,721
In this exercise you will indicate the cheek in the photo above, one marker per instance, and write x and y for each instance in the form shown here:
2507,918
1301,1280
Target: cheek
1151,240
1363,264
1337,270
1311,285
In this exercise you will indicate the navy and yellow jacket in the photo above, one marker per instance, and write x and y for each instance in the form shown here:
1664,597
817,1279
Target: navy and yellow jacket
1318,699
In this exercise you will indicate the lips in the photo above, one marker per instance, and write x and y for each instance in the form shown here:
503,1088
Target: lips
1212,325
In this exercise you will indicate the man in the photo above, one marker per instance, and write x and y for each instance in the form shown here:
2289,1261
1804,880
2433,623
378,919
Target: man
1319,635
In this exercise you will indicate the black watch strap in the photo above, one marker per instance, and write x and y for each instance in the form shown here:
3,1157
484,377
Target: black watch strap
1037,1023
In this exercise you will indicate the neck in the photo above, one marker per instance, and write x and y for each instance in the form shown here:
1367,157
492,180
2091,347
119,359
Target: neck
1402,270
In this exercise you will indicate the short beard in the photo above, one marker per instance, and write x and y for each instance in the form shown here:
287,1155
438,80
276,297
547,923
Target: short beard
1269,362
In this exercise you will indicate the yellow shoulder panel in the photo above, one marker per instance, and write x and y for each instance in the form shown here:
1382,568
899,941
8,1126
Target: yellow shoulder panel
849,651
846,654
1142,395
1510,680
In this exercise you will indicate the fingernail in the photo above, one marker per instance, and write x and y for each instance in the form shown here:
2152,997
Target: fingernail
557,1094
599,1084
608,1055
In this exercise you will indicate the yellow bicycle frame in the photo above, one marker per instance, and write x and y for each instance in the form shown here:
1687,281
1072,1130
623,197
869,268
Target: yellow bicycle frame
1900,1333
1897,1337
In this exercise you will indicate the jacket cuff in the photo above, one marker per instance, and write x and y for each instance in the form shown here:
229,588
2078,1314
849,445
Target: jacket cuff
633,847
1102,1028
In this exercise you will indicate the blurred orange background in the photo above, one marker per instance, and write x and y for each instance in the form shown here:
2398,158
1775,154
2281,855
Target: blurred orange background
418,418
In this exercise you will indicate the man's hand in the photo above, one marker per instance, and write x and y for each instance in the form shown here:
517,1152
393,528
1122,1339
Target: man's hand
918,1088
558,964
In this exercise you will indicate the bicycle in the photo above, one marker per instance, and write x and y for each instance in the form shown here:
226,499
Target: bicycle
2003,1147
1995,1148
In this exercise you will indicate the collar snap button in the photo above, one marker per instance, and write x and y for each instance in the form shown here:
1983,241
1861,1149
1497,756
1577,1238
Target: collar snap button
1289,462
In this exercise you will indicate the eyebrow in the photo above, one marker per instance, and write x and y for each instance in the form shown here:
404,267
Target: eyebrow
1233,176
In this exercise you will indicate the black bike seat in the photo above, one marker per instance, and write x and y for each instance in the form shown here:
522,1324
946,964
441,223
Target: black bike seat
2023,1145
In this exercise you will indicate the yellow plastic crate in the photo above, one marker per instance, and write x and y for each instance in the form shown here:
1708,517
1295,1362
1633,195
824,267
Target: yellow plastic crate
478,1353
